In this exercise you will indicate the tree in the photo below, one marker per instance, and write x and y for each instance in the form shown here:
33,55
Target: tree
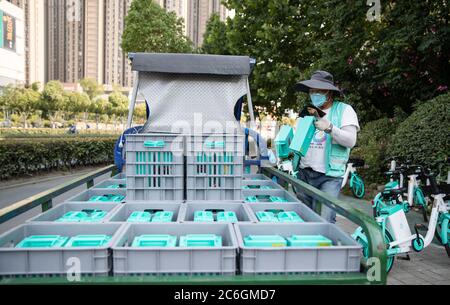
215,37
77,103
149,28
380,65
281,37
23,101
91,87
140,113
391,63
118,106
99,108
53,100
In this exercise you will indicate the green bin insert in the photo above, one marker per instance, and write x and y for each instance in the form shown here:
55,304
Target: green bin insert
201,240
140,216
277,199
43,241
251,199
309,241
266,216
157,240
88,241
116,186
163,216
227,216
107,198
86,215
289,216
203,216
265,241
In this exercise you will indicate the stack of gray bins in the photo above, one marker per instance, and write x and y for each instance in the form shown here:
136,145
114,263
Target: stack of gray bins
214,166
155,167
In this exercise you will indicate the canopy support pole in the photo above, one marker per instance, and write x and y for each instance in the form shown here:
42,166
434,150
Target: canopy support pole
133,99
250,107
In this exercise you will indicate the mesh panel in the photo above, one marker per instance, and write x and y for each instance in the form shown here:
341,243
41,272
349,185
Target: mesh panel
191,101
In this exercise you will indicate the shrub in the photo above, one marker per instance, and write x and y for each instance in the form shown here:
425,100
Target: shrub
373,141
424,137
19,157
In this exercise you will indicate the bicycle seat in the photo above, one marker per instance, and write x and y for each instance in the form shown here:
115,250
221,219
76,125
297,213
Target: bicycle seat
357,162
395,173
393,193
415,170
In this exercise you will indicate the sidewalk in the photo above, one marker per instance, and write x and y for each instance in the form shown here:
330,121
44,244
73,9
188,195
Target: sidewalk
429,267
19,189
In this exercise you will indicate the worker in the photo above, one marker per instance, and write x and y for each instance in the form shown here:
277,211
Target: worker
324,165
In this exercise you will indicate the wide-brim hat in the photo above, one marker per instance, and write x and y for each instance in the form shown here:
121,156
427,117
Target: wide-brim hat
322,80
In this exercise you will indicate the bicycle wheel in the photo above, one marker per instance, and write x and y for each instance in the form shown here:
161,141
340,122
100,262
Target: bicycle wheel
439,231
390,259
357,186
387,238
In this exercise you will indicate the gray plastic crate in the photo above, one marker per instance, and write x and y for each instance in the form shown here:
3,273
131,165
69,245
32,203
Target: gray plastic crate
344,256
55,261
86,195
242,212
155,167
277,193
57,212
259,183
175,260
302,210
255,177
105,184
214,165
123,212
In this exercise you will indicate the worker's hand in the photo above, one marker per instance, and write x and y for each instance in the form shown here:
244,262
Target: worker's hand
322,124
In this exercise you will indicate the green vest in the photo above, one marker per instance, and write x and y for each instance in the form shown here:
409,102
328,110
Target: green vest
336,156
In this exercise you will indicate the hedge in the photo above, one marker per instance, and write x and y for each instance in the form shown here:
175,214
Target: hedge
49,132
424,137
374,139
20,157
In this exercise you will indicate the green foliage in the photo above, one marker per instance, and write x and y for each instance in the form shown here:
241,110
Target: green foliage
50,133
91,87
424,137
215,37
373,140
27,157
380,65
23,100
149,28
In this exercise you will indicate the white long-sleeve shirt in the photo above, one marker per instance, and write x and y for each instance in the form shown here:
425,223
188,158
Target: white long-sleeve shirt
345,136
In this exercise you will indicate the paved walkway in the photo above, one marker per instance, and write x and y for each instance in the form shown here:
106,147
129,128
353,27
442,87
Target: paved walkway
429,267
13,191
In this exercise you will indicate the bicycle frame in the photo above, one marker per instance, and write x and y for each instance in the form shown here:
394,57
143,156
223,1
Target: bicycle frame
350,170
397,225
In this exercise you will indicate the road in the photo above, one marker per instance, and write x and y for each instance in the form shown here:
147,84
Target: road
11,192
429,267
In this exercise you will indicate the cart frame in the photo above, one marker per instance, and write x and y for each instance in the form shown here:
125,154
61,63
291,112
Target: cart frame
377,248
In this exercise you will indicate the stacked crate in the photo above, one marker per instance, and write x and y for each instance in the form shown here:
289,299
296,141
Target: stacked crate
155,167
214,167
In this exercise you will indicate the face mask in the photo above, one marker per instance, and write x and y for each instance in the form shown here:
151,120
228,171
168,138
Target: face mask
318,99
